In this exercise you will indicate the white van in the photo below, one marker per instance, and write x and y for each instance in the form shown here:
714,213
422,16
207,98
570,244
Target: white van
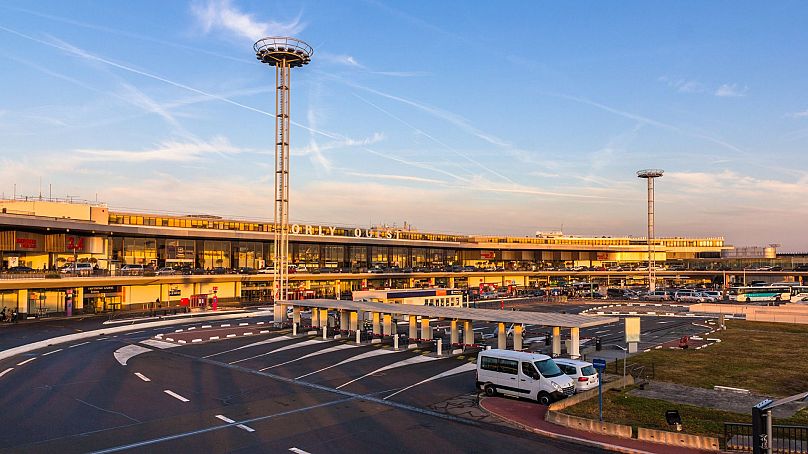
80,269
522,374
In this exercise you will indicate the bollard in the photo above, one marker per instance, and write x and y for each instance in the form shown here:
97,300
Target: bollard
294,329
395,342
440,347
358,337
325,332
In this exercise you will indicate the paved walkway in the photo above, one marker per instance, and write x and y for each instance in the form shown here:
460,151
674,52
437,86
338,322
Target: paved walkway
720,400
530,416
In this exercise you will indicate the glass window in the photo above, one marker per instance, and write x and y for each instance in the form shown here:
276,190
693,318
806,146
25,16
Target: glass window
588,370
489,363
509,366
529,370
548,368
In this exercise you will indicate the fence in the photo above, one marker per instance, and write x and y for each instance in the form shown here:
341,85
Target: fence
785,439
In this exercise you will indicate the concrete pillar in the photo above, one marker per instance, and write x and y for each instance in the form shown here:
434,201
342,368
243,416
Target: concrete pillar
440,347
502,338
575,343
556,341
277,313
358,337
517,336
315,317
455,335
296,315
325,331
337,289
22,301
324,317
395,341
376,324
294,328
468,332
413,327
451,282
411,283
426,330
431,281
354,321
343,319
387,326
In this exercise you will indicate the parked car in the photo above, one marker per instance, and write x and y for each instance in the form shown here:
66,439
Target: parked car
245,270
710,296
302,269
659,295
581,372
82,269
267,270
688,296
21,269
132,269
165,271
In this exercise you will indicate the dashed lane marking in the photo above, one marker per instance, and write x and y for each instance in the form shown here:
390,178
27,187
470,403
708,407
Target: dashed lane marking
214,338
298,451
6,371
142,377
52,351
175,395
230,421
196,340
26,361
77,345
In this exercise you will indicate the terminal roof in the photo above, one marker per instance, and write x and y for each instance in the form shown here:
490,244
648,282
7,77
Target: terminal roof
463,313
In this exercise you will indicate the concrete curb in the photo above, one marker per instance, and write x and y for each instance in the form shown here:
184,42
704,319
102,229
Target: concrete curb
580,441
11,352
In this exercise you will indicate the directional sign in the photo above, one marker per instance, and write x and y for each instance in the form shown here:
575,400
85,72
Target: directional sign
599,363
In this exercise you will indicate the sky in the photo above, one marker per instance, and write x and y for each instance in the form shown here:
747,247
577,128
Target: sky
459,117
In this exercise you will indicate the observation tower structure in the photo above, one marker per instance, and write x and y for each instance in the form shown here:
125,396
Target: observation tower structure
650,175
284,53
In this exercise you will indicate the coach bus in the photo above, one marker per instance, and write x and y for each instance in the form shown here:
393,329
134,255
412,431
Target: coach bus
774,293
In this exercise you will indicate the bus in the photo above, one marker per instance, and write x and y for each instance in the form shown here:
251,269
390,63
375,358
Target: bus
765,294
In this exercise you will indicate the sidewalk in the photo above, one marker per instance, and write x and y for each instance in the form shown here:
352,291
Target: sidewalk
530,416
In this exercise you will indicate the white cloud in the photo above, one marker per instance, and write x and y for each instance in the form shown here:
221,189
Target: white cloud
683,85
803,114
166,151
222,15
340,59
731,91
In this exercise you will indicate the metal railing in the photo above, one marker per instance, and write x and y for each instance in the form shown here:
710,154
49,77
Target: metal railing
785,439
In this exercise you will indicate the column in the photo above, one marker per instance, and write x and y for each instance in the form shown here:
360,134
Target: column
343,320
22,301
431,281
296,315
454,337
575,343
517,336
426,330
451,282
468,332
337,289
315,317
556,341
413,327
502,338
411,283
323,317
354,321
387,326
376,328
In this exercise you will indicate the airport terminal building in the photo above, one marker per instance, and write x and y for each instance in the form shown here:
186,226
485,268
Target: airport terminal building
48,234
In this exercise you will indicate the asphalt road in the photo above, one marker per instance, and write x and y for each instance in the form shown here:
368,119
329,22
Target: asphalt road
215,397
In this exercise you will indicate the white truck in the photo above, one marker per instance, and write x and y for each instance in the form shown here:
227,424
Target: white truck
522,374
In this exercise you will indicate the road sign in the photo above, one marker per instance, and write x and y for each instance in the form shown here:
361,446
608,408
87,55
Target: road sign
599,364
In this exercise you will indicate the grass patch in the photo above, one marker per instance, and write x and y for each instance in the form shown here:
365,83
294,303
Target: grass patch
766,358
621,408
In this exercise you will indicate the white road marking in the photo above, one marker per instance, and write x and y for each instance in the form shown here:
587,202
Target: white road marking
243,324
214,338
405,362
76,345
142,377
457,370
353,358
181,341
207,326
254,344
248,333
26,361
136,332
52,351
320,352
288,347
196,340
226,325
6,371
158,344
175,395
124,354
231,335
298,451
230,421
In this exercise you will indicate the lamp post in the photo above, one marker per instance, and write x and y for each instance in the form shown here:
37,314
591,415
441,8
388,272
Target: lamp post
650,175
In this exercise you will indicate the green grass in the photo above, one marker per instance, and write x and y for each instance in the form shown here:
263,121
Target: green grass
621,408
766,358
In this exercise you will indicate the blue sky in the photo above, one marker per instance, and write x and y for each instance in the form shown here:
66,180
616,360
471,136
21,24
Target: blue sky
471,117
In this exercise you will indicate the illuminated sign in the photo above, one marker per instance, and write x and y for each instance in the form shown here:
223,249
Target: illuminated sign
26,243
632,329
320,230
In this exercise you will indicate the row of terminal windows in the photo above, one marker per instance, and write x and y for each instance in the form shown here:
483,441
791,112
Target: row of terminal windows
218,224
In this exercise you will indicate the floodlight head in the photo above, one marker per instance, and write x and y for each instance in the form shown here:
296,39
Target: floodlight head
650,173
276,49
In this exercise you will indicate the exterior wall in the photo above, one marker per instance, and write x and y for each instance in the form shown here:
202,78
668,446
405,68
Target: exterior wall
48,209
